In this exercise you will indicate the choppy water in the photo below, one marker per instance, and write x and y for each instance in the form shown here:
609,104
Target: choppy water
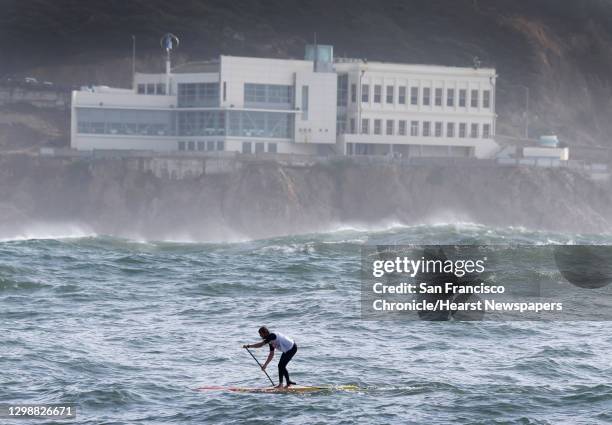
127,330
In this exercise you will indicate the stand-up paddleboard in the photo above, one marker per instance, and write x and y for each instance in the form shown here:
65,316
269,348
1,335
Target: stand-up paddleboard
297,389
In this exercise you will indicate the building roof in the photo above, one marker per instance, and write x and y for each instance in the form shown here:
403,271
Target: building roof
350,63
197,67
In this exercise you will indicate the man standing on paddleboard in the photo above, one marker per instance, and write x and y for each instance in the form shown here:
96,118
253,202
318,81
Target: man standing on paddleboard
280,342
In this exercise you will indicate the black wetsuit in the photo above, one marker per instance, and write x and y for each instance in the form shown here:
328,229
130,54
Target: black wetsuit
284,360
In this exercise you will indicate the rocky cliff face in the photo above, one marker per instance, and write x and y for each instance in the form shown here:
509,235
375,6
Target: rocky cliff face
263,200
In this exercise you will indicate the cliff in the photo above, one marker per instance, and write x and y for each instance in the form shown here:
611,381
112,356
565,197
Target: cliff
265,199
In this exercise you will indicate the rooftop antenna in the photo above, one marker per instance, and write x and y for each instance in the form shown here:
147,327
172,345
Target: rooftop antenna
133,61
316,51
167,43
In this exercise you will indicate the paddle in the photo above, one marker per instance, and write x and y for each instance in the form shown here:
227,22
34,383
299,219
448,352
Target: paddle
260,366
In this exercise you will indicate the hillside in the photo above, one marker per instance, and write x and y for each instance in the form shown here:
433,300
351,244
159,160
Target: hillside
561,50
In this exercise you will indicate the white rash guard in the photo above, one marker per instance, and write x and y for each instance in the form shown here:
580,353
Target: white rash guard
279,341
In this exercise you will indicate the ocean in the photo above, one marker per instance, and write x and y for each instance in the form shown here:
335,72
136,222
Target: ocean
128,329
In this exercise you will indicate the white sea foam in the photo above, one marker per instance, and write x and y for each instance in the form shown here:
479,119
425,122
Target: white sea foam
306,248
43,231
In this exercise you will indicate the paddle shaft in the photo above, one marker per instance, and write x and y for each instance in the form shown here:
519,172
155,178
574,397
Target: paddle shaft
260,366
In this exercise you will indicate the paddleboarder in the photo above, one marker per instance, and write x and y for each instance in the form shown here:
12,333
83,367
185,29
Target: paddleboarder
277,341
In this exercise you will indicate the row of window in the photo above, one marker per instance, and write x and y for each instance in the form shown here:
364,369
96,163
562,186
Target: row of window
239,123
409,151
424,128
196,123
128,122
219,145
201,123
209,146
261,124
422,96
198,95
274,94
152,88
260,147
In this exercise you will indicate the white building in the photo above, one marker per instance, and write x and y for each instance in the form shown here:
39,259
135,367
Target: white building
254,105
415,110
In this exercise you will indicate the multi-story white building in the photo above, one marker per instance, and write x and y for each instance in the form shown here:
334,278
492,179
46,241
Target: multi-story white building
415,110
315,106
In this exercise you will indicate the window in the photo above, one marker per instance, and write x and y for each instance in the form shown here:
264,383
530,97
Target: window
220,145
246,147
340,124
353,93
474,99
272,148
349,148
305,103
365,126
450,97
462,130
450,129
274,94
377,126
438,129
278,94
142,89
390,127
352,128
462,98
438,97
201,123
161,88
426,128
255,93
486,99
401,98
150,88
402,128
224,91
414,128
198,94
201,146
474,131
125,121
191,146
414,95
377,93
486,131
210,146
278,125
390,90
365,93
342,91
181,146
259,147
426,96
